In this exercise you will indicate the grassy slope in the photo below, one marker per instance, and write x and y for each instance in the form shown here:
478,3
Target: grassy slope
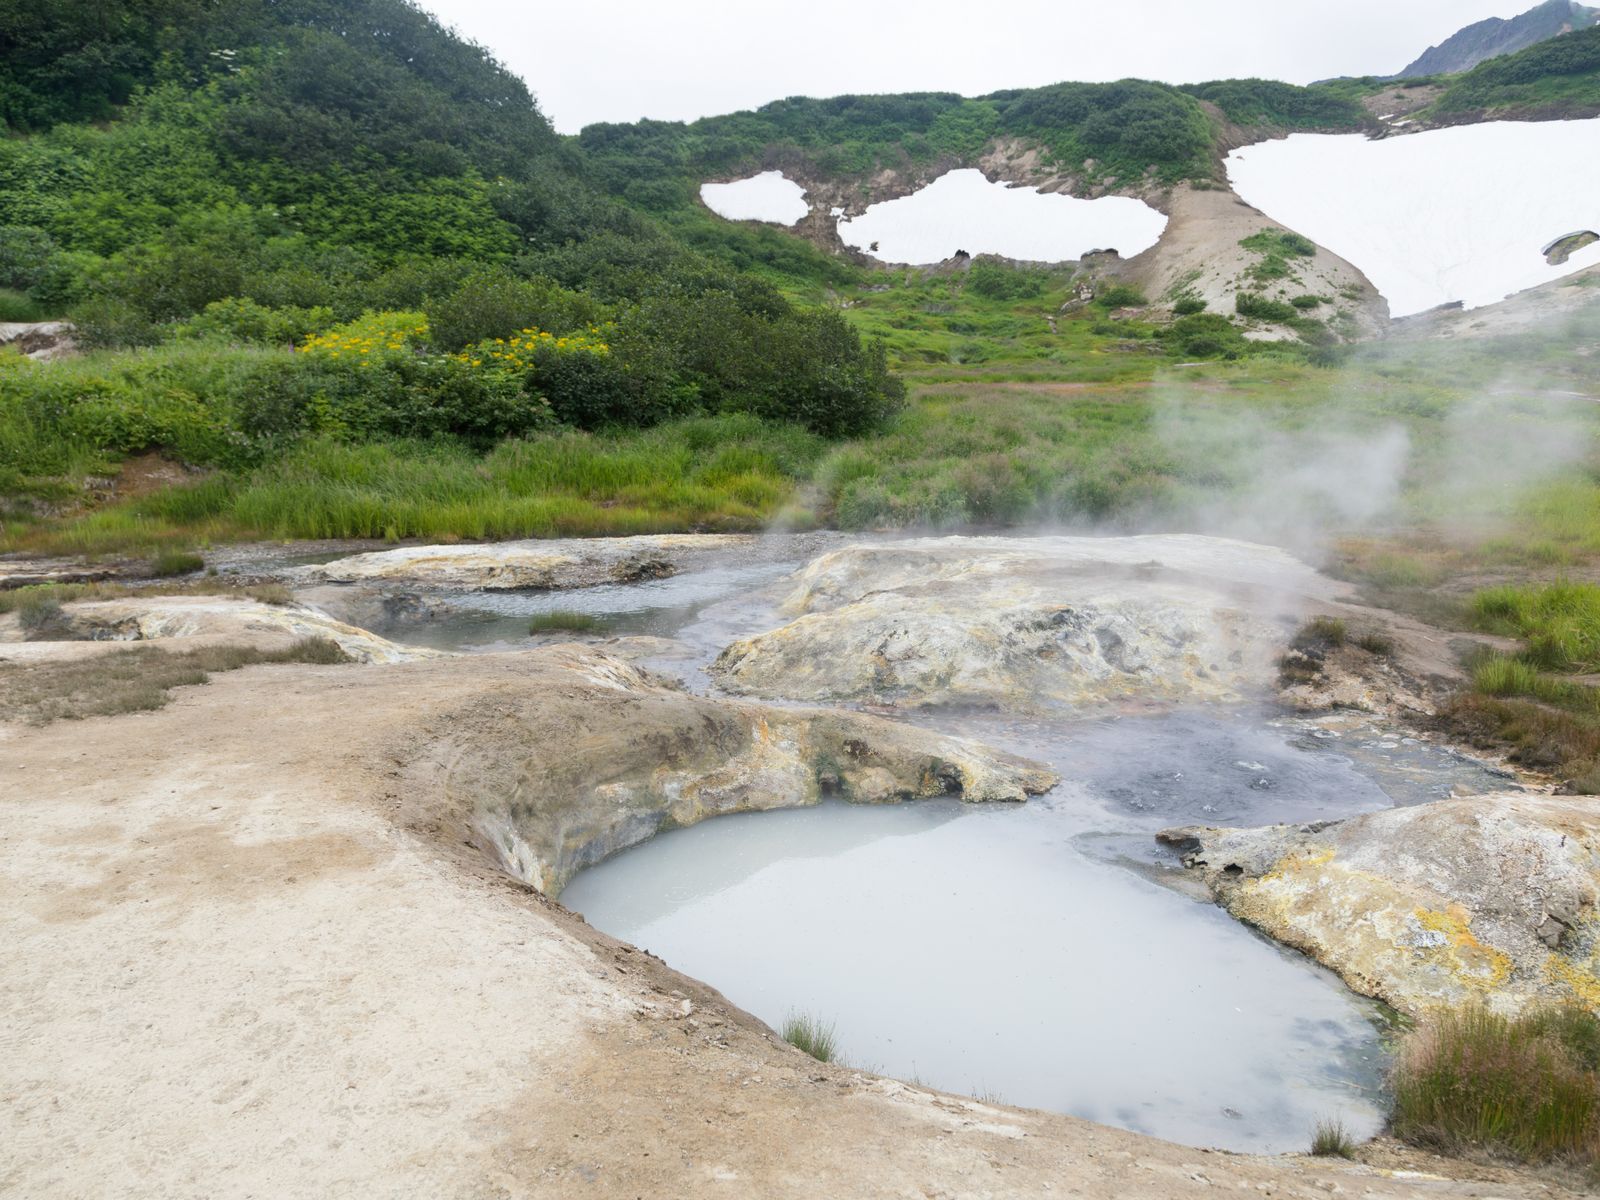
1010,422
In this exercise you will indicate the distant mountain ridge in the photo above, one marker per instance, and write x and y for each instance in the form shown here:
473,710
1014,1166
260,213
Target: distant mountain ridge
1496,36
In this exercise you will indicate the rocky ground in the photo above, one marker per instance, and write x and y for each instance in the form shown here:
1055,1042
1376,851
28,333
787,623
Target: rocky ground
279,936
256,950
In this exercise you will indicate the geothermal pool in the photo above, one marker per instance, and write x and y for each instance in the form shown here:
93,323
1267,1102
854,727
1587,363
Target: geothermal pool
963,210
1046,954
1422,215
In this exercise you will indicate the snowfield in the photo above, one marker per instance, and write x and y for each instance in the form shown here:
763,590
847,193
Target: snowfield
770,196
1449,215
964,211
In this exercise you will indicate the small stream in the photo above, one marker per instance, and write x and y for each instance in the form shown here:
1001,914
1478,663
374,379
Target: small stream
1050,954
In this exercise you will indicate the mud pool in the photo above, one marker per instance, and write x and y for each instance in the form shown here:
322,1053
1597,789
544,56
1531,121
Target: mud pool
1048,954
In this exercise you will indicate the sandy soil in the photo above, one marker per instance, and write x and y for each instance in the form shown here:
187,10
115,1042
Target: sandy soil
1200,252
250,955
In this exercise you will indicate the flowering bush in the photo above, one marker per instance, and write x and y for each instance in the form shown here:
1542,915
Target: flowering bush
524,352
367,336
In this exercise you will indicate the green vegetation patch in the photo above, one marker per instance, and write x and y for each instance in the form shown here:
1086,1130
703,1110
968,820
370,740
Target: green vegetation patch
1563,73
1267,102
1527,1087
1560,622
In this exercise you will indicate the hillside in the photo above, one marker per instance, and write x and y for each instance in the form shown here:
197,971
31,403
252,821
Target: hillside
1496,36
1559,78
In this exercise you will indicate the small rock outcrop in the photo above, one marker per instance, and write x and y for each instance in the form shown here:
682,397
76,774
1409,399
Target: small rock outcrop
137,619
42,341
531,565
1029,623
1491,898
590,755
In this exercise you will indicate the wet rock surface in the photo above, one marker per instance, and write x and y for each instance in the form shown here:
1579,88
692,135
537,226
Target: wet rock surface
1489,898
1030,623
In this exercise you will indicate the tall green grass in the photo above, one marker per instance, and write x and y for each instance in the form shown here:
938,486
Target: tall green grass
718,473
1560,622
811,1035
1524,1087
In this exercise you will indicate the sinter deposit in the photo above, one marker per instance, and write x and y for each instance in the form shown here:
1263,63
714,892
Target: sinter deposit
1029,623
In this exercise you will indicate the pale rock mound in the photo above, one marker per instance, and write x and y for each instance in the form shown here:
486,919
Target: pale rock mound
1025,623
534,564
136,619
606,755
1491,898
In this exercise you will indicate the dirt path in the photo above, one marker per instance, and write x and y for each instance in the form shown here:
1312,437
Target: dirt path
248,954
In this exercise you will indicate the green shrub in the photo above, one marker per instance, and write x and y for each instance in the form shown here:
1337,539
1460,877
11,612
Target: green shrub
1305,303
244,320
1526,1087
25,253
1188,306
996,280
39,613
1204,335
1120,295
491,304
14,306
1282,242
1260,308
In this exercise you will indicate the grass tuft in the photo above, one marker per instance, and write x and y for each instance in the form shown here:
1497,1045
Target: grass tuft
1322,633
564,621
1330,1139
1373,642
1525,1087
807,1033
171,562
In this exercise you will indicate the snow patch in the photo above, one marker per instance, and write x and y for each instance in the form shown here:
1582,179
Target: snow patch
770,196
1431,218
962,210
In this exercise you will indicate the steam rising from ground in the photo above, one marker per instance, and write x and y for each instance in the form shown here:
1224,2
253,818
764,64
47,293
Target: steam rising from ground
1411,432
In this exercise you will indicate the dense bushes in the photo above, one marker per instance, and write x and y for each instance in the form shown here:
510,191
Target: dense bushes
1128,127
1281,105
1204,335
1565,68
995,279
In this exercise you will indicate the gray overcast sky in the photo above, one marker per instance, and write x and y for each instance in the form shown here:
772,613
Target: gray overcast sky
620,60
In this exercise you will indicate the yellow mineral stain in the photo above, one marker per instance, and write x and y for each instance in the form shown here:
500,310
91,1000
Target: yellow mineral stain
1473,962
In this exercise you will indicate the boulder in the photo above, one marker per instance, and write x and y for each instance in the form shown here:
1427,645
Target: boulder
533,564
1030,623
1489,898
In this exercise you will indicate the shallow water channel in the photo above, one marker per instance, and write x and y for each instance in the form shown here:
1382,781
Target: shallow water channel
1047,954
